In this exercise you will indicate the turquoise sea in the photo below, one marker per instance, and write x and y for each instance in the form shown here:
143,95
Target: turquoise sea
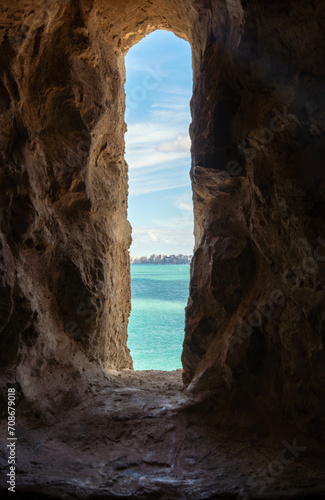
156,325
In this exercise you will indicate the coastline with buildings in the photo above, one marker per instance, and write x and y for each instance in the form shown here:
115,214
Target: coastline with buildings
162,259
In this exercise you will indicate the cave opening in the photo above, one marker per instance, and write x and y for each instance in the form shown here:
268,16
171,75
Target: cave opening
160,208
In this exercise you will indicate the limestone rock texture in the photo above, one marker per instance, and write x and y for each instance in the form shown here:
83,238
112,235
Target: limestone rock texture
253,355
255,320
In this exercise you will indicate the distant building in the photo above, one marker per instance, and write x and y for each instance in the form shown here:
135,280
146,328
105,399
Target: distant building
162,259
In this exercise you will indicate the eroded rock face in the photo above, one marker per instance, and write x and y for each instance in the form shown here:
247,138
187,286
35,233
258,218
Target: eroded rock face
65,237
255,321
254,338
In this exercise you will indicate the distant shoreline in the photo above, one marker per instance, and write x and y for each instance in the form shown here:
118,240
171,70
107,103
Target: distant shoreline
160,263
162,259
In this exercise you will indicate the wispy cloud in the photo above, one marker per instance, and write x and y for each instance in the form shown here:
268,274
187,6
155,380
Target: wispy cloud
158,152
150,183
182,143
183,213
148,157
147,133
158,144
161,240
184,203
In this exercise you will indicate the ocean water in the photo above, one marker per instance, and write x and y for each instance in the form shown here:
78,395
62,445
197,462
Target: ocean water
157,320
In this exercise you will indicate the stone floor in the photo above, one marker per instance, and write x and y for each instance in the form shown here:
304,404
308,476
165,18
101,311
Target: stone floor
138,436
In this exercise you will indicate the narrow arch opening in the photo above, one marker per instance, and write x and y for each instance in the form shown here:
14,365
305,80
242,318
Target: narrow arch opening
160,209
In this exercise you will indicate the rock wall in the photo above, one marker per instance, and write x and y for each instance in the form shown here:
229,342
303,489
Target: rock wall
65,237
254,323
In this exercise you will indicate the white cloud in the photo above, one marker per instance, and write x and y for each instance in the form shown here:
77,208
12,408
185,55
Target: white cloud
144,181
174,90
147,157
151,144
158,148
152,187
182,143
161,240
183,219
184,203
158,153
146,133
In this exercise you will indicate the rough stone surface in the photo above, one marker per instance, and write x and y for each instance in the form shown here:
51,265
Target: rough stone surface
253,352
64,192
135,435
255,321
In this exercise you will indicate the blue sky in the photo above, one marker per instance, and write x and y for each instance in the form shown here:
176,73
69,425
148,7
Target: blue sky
158,91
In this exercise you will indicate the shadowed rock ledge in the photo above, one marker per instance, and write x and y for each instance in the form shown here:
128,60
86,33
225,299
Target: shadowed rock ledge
138,435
